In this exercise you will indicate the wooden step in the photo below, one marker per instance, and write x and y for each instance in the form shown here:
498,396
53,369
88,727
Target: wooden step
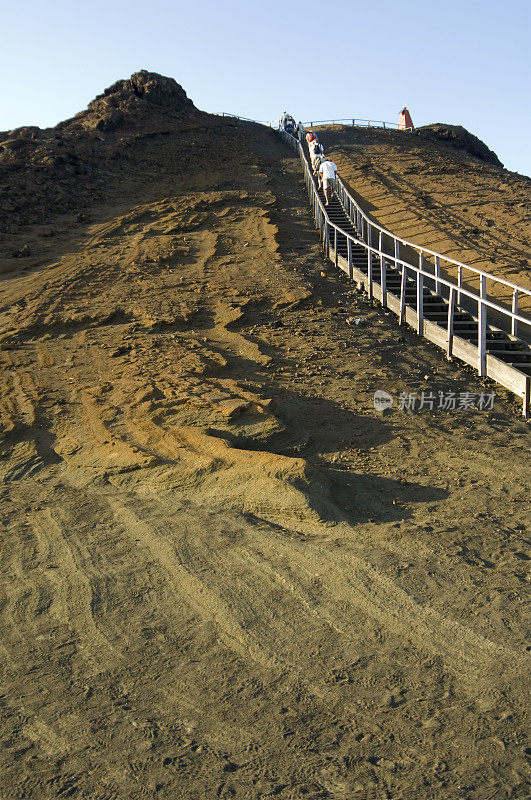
513,353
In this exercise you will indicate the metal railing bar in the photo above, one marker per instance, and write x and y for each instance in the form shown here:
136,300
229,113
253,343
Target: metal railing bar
420,296
245,119
450,328
436,255
514,325
353,122
369,226
364,229
465,292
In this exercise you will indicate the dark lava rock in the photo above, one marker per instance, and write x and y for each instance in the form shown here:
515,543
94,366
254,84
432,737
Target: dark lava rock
23,252
56,170
141,92
458,137
152,88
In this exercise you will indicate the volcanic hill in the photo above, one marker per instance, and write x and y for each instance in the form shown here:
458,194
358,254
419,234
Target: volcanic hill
224,574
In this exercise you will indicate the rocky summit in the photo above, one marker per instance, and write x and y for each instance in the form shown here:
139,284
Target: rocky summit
458,137
43,172
133,97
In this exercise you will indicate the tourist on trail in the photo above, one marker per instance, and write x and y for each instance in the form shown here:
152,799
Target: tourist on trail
316,149
328,172
310,137
289,125
316,163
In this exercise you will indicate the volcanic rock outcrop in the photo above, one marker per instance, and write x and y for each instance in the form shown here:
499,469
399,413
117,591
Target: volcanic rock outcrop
44,171
458,137
138,95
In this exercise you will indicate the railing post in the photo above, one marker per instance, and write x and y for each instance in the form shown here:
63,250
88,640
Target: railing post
420,296
402,317
459,283
482,339
349,257
437,275
369,259
382,273
335,246
397,252
450,332
514,322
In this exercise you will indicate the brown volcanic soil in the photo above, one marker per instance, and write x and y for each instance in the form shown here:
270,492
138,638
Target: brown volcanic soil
223,573
430,189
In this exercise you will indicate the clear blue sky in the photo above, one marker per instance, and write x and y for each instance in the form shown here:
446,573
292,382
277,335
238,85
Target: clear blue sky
464,62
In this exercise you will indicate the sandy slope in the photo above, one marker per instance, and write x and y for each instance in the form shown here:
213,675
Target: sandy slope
224,574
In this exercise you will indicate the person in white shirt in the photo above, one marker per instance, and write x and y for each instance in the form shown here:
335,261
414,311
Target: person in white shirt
316,163
316,150
328,172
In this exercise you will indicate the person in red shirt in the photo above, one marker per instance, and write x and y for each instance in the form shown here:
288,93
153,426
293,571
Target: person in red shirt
310,137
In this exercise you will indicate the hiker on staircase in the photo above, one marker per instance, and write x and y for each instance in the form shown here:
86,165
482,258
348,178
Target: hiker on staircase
316,163
289,125
316,150
328,171
310,137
